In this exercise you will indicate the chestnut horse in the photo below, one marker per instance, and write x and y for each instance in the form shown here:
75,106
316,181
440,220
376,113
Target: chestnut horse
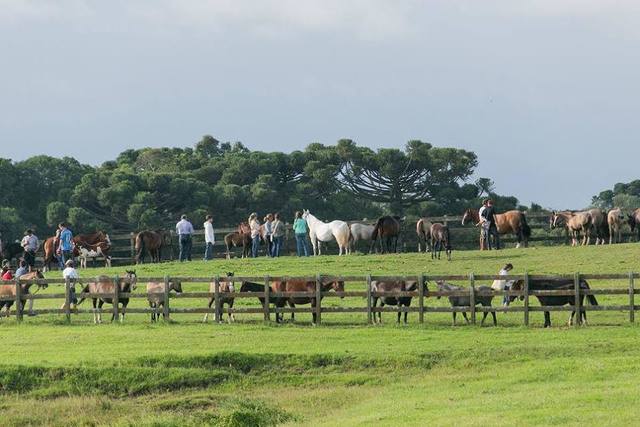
9,291
302,286
240,237
512,221
423,230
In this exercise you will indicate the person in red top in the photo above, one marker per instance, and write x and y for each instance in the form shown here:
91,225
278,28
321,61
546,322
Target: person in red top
7,274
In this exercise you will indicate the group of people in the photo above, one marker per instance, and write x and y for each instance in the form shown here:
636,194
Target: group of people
488,226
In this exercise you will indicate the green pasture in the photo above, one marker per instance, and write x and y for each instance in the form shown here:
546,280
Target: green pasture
343,372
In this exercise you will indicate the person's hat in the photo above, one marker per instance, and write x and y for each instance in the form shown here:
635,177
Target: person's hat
184,216
508,267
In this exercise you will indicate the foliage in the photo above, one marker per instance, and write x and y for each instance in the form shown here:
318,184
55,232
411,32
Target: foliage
626,196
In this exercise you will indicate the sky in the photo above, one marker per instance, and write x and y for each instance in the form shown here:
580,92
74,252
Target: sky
545,92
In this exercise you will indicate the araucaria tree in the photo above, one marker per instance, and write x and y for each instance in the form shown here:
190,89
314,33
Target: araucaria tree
402,178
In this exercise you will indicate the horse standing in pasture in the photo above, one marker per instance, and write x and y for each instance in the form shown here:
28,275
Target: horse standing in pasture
599,225
325,232
155,296
360,232
152,242
225,286
512,221
236,239
394,286
634,221
615,220
440,237
387,229
9,291
465,300
302,286
105,285
555,300
575,223
423,230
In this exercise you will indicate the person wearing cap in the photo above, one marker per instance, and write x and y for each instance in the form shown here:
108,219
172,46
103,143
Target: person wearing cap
71,273
503,285
30,245
184,230
254,225
209,238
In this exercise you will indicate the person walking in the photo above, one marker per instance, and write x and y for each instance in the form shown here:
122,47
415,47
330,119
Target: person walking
268,233
209,238
66,244
300,229
277,236
490,216
254,225
184,230
30,245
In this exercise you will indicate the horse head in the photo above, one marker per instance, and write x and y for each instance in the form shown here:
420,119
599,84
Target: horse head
131,278
441,287
518,285
553,219
176,286
305,213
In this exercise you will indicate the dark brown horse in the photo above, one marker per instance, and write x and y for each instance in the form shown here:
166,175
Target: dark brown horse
423,230
508,222
240,237
634,221
387,229
440,237
105,285
301,286
152,242
9,290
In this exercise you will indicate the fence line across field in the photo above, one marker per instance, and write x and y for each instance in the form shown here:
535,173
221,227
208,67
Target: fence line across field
318,294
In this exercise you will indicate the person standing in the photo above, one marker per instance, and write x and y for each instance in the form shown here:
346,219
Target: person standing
71,273
184,230
209,238
301,229
268,233
30,245
490,216
66,244
277,236
254,225
503,285
484,226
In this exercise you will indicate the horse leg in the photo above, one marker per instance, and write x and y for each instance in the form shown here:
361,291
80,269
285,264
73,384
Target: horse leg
464,314
124,311
484,316
454,317
293,315
231,316
547,319
100,304
406,313
374,303
495,321
399,312
206,315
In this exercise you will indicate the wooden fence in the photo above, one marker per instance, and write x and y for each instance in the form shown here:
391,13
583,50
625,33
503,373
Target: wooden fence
630,291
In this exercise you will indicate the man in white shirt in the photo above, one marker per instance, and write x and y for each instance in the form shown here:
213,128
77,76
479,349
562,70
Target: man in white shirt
70,272
484,227
30,245
209,238
184,230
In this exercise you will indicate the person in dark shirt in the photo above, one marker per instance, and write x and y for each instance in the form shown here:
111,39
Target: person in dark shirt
490,215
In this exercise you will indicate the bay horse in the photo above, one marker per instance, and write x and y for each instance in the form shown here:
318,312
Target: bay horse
387,229
325,232
440,237
9,291
152,242
105,285
236,239
394,286
512,221
633,220
302,286
615,220
359,232
155,296
465,300
49,247
423,230
575,223
557,300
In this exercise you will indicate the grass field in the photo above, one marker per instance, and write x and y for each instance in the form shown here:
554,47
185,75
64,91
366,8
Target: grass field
343,372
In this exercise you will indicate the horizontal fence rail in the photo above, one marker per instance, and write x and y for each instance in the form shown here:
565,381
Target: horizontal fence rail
15,293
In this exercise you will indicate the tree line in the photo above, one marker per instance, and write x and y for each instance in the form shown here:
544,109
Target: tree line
150,188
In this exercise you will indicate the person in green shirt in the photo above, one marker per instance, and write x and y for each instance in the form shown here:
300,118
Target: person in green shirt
300,229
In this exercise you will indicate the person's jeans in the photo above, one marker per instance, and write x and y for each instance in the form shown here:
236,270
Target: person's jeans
64,257
269,245
302,246
277,246
493,231
185,247
255,245
30,258
208,251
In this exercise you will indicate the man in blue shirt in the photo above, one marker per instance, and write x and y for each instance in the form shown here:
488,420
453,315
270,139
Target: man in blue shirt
184,230
66,244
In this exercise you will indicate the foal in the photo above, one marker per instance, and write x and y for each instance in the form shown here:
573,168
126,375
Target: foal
465,301
440,237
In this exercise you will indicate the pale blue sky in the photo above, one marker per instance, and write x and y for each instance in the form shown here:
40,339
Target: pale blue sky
546,92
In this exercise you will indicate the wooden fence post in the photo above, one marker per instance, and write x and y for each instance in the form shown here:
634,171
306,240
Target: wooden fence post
576,286
421,284
18,300
116,297
472,298
632,308
318,306
526,298
67,299
165,299
216,298
133,247
267,289
370,318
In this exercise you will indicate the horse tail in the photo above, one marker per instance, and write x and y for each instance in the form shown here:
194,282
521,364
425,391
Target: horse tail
377,229
591,298
526,230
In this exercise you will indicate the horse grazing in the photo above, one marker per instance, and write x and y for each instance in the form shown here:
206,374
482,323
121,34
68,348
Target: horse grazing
105,285
387,229
634,221
559,300
512,221
302,286
575,223
394,286
236,239
9,291
440,237
360,232
225,287
423,230
615,220
155,296
465,300
152,242
599,226
325,232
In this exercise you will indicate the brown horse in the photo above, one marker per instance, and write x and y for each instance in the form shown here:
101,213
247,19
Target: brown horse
599,227
634,221
440,237
575,223
512,221
152,242
240,237
387,228
9,291
155,296
49,247
225,287
615,220
92,238
105,285
394,286
302,286
423,230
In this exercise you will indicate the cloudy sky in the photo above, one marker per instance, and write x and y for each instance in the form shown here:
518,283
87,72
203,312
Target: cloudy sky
546,92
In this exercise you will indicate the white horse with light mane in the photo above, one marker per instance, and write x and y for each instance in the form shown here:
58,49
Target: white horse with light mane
325,232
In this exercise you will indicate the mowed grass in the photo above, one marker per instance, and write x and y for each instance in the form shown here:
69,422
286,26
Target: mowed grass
343,372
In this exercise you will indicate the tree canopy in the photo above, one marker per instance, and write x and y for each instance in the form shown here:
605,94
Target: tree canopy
621,196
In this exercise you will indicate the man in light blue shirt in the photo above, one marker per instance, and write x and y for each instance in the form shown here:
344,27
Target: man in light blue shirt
66,244
184,230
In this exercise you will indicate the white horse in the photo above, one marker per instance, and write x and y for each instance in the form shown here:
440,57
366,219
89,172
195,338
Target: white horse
360,232
325,232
